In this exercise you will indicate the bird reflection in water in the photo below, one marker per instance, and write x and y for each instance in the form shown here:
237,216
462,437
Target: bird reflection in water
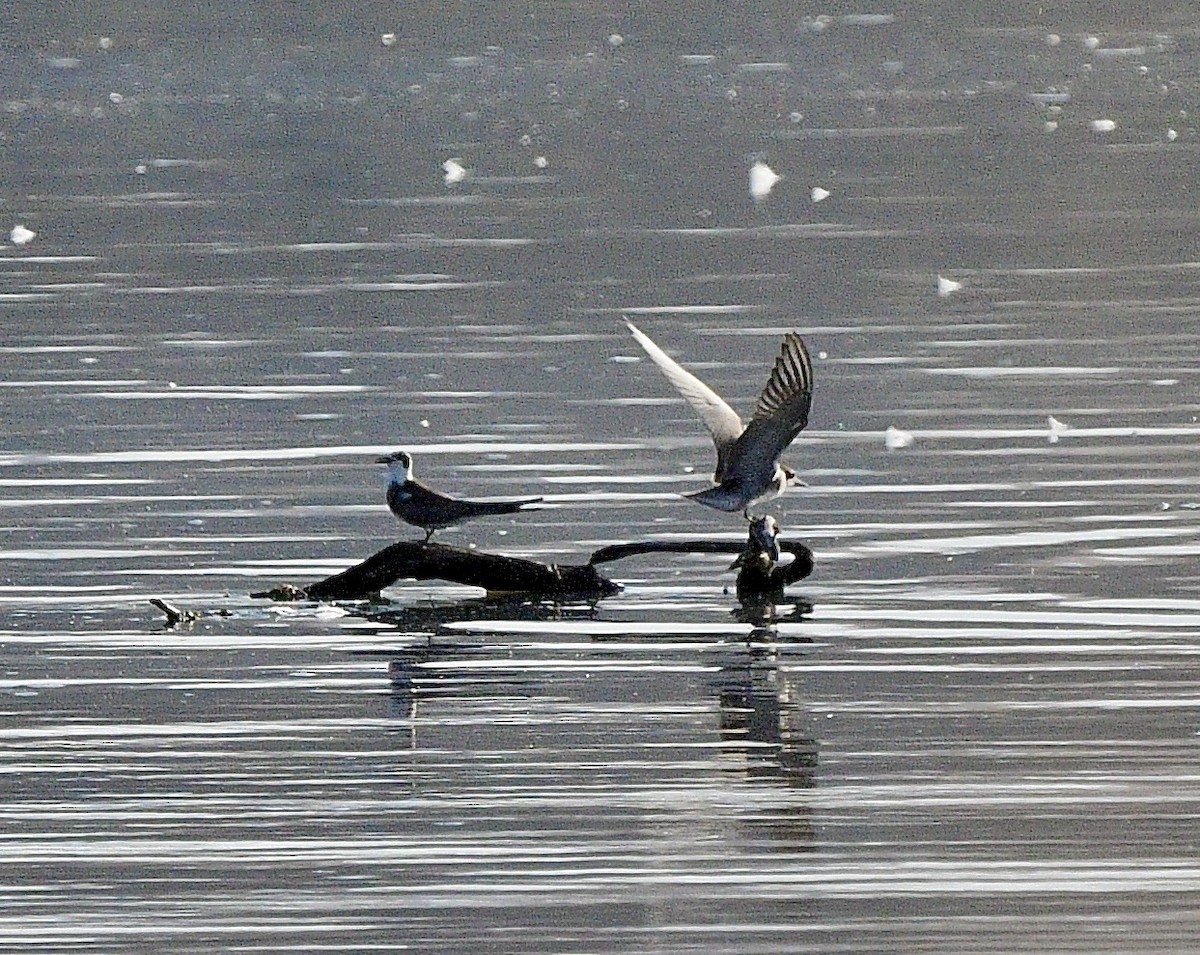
762,720
767,736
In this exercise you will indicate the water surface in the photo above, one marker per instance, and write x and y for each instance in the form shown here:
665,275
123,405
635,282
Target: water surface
973,729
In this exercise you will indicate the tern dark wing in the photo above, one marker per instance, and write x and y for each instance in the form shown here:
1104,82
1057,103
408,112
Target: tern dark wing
424,507
788,392
781,412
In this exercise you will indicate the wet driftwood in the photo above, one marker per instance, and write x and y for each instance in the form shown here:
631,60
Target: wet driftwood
418,560
759,577
175,616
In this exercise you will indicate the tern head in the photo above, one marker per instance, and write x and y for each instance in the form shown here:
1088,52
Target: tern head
398,462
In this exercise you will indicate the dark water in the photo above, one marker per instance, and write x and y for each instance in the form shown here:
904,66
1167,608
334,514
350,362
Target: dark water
249,280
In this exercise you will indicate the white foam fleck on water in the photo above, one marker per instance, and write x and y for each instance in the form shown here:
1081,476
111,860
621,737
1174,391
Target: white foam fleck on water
762,180
895,439
1057,429
454,172
947,287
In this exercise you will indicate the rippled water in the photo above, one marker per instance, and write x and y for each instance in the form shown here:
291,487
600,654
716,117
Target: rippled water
974,729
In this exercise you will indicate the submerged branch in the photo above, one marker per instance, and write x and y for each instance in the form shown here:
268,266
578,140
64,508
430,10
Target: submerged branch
175,616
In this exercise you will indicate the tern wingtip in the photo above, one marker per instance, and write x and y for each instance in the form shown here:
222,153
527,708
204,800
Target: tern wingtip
642,338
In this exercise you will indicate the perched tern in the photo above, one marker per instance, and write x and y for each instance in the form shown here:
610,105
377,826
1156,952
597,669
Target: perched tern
423,507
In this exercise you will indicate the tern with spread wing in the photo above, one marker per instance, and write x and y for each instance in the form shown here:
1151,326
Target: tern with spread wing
748,469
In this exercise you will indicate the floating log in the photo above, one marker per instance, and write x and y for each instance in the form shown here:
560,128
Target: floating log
495,573
760,579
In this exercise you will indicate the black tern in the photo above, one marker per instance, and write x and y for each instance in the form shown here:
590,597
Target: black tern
748,469
423,507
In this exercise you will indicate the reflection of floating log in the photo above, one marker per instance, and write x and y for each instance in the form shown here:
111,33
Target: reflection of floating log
759,578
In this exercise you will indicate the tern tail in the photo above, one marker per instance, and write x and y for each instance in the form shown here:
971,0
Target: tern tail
719,497
502,507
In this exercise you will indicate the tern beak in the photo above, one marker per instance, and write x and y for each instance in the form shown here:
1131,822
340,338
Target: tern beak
792,478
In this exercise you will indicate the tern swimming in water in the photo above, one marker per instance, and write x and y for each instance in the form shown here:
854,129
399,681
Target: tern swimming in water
423,507
748,469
